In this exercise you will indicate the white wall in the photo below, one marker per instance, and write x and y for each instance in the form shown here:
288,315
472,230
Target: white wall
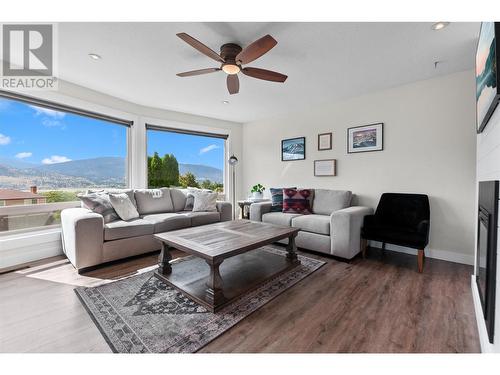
19,249
429,147
488,168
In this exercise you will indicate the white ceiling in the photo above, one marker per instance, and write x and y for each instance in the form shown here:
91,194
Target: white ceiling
324,62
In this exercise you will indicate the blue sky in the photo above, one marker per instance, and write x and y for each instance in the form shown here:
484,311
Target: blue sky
187,148
42,136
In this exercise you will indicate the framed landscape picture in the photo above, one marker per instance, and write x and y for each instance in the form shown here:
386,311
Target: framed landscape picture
293,149
324,168
487,75
365,138
324,141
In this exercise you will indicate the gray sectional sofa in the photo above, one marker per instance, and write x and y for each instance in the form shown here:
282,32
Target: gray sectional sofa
334,227
88,241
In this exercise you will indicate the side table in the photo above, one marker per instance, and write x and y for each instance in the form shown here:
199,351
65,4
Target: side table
245,206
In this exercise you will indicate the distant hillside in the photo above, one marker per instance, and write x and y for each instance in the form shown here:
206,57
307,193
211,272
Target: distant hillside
105,171
15,163
202,172
96,169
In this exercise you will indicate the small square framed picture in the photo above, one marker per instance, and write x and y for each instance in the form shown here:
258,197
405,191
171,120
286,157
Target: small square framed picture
324,141
324,168
365,138
293,149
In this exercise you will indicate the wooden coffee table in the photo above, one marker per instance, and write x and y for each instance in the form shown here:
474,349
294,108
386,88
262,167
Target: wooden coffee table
232,251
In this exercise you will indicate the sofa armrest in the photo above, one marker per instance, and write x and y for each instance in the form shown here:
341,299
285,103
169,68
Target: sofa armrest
258,209
225,210
345,230
82,236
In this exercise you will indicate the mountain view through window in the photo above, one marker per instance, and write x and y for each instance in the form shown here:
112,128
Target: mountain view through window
49,156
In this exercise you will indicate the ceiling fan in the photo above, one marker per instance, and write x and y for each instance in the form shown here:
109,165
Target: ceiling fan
232,57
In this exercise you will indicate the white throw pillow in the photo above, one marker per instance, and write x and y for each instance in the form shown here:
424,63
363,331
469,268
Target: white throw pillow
123,206
204,201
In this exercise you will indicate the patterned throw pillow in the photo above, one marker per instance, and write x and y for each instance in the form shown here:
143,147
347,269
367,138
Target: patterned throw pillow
298,201
100,204
277,199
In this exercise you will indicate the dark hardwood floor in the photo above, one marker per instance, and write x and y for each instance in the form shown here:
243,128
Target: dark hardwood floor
379,304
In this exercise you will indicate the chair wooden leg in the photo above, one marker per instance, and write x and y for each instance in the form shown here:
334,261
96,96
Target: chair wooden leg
420,260
364,245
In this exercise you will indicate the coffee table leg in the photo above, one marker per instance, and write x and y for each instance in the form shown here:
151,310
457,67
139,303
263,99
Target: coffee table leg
291,249
213,293
164,259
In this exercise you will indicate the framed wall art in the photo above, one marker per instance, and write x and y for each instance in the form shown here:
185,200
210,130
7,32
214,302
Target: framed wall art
365,138
323,168
293,149
325,141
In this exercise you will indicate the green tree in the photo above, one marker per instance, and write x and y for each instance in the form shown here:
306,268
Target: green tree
188,180
154,170
170,171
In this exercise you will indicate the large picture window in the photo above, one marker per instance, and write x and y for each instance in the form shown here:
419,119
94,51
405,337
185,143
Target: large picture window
49,154
185,159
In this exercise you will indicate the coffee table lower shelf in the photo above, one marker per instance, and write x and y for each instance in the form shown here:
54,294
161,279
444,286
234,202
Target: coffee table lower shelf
239,275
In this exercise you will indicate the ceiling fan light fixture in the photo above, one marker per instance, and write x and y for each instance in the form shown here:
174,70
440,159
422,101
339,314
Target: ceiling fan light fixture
231,68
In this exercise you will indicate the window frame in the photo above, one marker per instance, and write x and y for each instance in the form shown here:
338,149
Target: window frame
180,130
6,210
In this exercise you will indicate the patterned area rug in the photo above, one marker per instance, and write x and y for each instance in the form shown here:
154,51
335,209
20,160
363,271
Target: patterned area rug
142,314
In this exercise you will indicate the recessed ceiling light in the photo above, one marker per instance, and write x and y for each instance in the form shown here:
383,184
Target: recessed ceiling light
94,56
225,102
439,25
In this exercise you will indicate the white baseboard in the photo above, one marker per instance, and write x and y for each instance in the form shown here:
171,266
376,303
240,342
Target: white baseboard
449,256
29,247
486,346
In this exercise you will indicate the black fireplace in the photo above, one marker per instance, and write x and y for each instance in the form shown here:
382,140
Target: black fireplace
486,251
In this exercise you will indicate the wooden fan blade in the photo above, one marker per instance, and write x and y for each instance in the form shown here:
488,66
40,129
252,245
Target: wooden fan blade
196,44
198,72
256,49
233,83
264,74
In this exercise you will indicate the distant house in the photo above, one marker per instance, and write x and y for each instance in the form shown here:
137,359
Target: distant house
10,197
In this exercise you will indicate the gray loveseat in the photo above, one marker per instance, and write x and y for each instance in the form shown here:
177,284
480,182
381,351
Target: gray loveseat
88,241
334,227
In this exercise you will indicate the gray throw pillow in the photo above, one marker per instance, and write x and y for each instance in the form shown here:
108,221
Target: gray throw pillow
205,201
153,201
129,192
100,204
123,206
189,192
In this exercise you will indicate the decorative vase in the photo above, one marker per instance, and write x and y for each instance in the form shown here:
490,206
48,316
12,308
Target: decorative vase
257,195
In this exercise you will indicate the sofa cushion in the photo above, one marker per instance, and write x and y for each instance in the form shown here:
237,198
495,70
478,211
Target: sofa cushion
152,201
205,201
277,199
279,218
123,206
319,224
129,192
168,221
298,201
126,229
100,204
178,199
203,218
328,201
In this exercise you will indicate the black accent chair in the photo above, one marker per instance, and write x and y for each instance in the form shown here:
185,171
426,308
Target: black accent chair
400,219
